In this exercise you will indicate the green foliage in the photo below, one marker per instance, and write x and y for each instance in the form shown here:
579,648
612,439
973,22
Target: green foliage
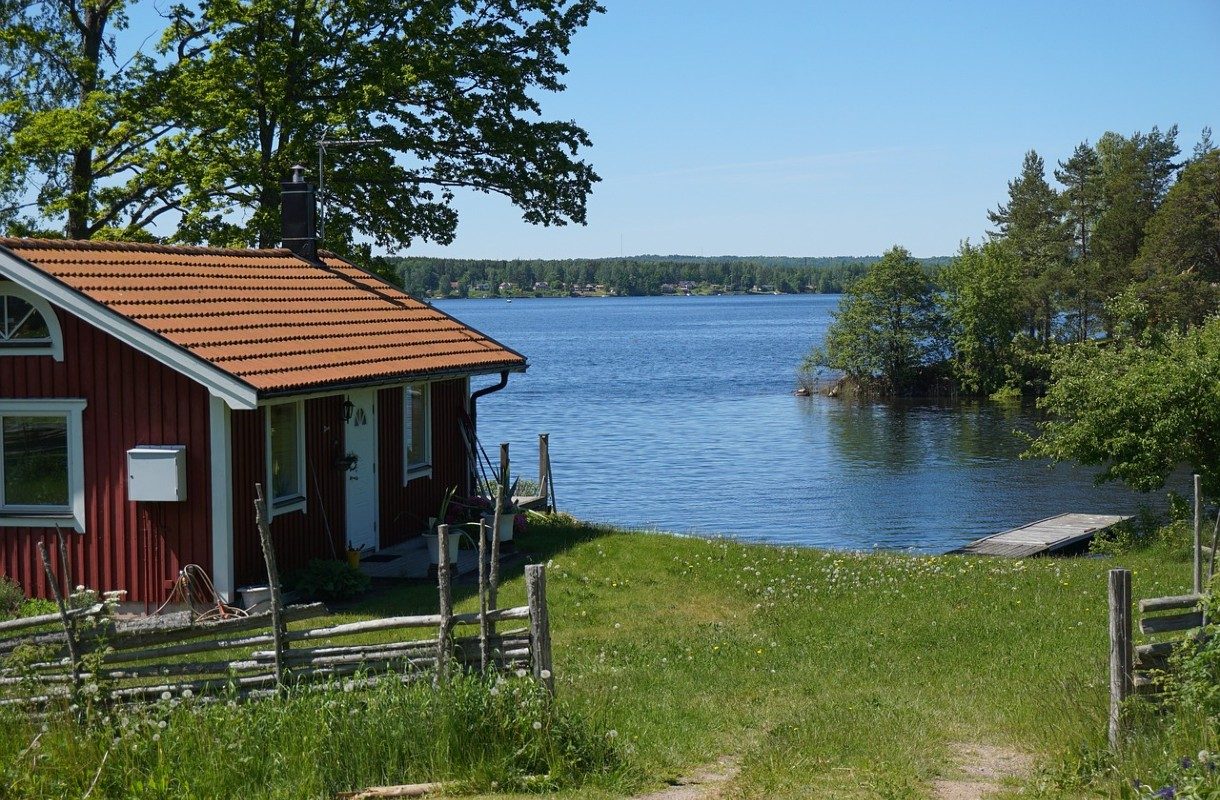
1032,225
1140,410
887,330
202,131
328,580
1178,268
633,276
11,597
982,295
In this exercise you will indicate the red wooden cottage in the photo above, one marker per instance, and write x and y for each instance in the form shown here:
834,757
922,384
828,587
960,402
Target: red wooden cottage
145,389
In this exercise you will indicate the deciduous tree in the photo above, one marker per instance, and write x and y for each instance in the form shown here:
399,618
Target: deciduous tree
982,306
887,328
1139,410
450,92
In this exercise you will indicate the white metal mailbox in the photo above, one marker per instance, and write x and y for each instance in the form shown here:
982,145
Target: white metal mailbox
157,473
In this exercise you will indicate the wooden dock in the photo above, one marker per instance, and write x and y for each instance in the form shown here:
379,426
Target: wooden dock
1065,532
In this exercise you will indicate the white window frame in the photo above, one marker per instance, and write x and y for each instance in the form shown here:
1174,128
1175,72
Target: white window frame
299,501
424,468
73,514
55,348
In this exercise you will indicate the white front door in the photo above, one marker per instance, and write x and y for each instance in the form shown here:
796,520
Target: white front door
360,437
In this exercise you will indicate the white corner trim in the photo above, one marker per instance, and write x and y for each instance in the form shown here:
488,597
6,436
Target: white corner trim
49,316
221,450
74,515
236,392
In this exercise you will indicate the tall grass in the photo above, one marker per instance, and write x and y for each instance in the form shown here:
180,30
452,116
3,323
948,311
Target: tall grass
483,734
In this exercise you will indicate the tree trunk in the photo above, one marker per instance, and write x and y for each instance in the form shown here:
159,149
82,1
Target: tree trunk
80,201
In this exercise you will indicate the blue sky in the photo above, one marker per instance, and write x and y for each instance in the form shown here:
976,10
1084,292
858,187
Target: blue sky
814,129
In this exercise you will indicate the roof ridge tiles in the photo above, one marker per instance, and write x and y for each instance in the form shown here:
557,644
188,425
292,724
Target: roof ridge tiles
15,243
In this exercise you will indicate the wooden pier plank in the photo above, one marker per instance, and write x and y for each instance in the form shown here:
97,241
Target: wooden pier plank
1043,537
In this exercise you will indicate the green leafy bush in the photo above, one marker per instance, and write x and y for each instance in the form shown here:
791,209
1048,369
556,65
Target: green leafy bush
328,581
11,597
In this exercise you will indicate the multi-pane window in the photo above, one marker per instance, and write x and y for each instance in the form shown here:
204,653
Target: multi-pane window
35,462
41,464
286,454
417,428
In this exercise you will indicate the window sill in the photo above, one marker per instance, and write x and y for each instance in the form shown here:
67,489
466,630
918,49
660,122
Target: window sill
418,471
28,520
288,505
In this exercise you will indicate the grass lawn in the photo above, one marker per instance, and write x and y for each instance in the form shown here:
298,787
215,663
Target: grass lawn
823,674
826,674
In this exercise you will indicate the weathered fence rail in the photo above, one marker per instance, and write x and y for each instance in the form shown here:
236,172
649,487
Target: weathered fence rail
1138,668
58,656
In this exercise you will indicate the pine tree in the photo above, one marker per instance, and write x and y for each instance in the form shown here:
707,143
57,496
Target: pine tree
1032,224
1081,205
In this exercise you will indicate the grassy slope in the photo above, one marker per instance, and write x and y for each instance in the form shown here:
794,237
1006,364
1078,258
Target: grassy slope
832,672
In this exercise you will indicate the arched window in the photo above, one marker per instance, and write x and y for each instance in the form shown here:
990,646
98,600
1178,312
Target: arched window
28,325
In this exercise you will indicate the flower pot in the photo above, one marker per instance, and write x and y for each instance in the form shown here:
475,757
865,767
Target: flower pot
434,547
353,559
506,525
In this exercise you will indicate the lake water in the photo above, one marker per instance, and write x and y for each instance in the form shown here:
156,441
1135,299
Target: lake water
678,414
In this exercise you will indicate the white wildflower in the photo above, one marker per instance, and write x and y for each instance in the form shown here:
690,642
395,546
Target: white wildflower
611,734
537,725
187,694
166,695
546,674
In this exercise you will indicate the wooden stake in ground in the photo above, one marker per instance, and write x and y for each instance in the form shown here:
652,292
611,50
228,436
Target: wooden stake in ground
540,625
278,629
445,590
69,628
493,588
484,629
1198,548
1120,651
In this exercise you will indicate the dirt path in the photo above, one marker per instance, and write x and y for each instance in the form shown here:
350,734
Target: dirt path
983,768
704,784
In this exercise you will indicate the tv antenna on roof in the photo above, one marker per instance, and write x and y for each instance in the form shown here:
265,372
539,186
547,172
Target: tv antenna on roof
324,143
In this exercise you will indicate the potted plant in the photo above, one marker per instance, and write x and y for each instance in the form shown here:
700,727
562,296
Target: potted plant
508,515
353,555
455,532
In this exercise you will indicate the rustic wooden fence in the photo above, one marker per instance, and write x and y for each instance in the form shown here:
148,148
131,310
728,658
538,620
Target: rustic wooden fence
1138,668
86,652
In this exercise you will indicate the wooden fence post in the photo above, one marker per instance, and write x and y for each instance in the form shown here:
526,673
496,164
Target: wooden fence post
540,625
1198,541
484,638
493,588
1121,652
279,631
544,469
445,590
65,620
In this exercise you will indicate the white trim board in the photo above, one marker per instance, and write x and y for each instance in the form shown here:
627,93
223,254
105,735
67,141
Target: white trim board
236,392
220,433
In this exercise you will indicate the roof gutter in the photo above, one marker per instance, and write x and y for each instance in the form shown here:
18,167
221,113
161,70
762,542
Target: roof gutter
474,398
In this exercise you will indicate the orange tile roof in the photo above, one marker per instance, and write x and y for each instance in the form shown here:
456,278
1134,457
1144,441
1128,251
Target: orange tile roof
268,317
